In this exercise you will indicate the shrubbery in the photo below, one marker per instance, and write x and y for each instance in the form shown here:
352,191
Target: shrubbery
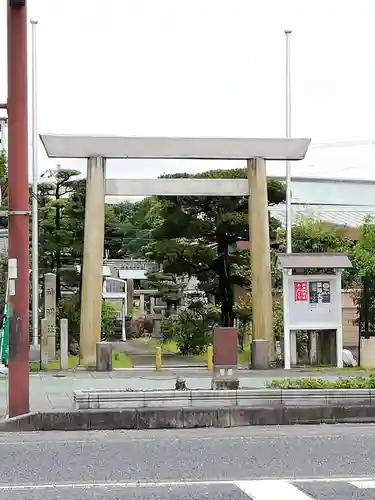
109,318
192,328
68,308
320,383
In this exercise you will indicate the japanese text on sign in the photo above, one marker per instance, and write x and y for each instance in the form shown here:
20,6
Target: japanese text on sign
300,291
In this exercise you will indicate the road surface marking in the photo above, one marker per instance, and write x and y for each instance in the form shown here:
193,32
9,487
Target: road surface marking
367,484
260,489
264,490
112,484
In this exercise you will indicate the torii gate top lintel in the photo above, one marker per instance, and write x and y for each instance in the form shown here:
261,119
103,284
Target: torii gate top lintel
192,148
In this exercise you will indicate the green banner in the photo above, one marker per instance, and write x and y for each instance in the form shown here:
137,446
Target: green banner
4,338
5,341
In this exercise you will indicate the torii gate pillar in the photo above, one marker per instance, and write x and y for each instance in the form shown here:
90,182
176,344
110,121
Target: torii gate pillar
263,349
92,269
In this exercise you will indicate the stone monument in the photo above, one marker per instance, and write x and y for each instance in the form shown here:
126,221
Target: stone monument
50,312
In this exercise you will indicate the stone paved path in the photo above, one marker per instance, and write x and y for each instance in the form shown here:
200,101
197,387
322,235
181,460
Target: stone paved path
143,355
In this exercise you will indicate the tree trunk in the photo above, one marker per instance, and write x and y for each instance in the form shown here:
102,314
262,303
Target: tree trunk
225,292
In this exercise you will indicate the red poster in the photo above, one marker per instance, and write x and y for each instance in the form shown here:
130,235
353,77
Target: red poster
300,291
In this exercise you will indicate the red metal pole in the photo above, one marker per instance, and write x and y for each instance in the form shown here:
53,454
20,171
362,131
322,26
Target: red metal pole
18,210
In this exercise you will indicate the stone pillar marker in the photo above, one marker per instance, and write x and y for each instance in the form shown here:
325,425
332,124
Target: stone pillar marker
50,312
313,348
43,344
141,303
64,359
130,296
152,305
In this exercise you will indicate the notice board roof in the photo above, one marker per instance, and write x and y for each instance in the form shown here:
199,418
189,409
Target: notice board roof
314,260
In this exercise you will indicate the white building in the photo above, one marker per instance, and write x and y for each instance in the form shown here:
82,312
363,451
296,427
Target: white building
335,183
344,202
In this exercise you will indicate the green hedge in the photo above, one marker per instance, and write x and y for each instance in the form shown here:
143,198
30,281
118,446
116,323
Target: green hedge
320,383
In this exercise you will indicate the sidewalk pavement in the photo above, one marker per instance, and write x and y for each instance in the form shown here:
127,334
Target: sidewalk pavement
54,390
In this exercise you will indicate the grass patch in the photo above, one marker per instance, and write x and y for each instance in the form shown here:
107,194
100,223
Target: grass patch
169,346
244,357
73,361
119,360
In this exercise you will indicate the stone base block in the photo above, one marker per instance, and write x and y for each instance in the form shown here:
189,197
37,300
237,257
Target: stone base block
225,383
259,355
104,356
225,348
367,358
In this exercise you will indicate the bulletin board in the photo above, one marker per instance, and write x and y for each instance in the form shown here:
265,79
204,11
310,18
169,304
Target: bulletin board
314,301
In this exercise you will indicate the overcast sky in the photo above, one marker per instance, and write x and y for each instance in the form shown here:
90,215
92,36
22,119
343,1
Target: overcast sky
207,68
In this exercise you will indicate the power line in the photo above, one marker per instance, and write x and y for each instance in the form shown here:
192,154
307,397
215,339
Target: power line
340,144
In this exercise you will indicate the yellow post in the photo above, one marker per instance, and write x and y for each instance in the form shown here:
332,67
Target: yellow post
210,358
158,358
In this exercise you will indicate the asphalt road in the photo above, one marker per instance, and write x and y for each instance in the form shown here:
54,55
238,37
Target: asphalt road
287,463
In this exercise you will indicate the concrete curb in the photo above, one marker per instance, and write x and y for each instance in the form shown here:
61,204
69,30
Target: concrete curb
117,399
188,418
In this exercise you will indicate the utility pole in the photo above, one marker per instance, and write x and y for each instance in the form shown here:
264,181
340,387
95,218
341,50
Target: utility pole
288,129
18,208
35,230
288,133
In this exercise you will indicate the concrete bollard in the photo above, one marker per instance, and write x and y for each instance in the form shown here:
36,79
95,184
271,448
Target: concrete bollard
158,360
210,358
64,354
103,356
44,344
259,354
225,380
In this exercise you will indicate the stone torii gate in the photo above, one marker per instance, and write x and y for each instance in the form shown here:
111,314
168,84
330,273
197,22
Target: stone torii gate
96,149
